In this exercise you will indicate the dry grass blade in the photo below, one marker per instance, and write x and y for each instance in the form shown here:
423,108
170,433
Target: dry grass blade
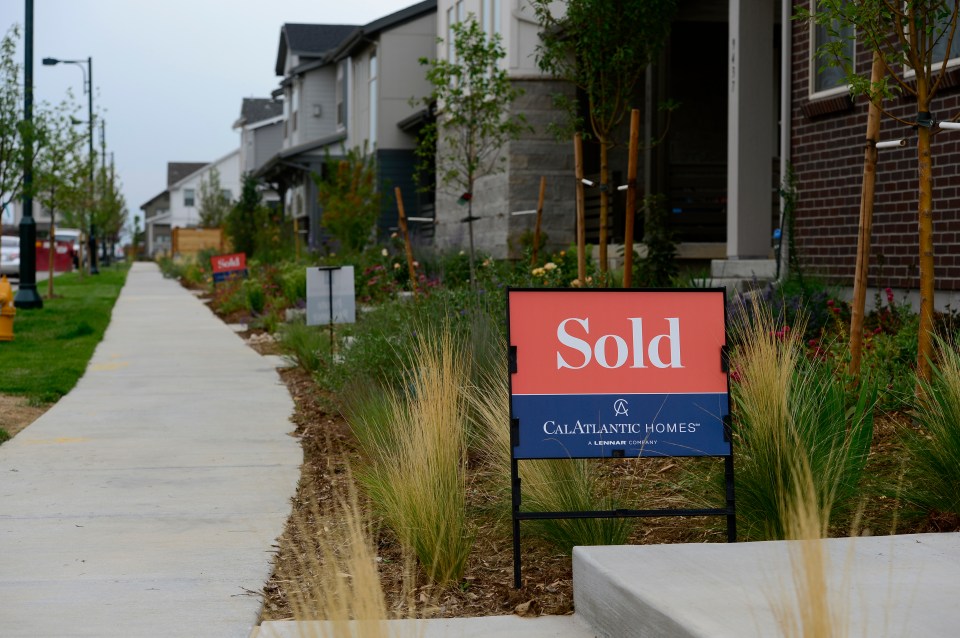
419,484
336,568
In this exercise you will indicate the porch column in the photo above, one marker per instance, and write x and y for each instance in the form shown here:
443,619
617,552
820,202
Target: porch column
750,133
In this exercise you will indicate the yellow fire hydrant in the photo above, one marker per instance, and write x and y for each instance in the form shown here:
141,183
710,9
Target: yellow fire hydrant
7,311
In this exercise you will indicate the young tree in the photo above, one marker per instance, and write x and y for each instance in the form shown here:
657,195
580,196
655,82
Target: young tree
247,217
59,169
912,39
111,211
602,47
348,195
214,205
473,95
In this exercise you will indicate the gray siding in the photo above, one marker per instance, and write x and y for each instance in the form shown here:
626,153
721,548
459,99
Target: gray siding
401,77
267,142
319,87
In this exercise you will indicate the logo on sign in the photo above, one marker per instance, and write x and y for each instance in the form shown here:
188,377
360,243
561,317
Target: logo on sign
620,407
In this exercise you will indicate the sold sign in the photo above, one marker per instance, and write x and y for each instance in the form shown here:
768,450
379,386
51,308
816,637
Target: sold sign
228,266
618,373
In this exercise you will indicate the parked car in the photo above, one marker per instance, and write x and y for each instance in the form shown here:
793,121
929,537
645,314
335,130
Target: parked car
10,256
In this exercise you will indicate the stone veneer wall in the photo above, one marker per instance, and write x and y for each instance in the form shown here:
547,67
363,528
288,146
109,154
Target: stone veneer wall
537,153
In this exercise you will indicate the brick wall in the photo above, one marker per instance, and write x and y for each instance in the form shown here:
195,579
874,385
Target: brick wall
827,158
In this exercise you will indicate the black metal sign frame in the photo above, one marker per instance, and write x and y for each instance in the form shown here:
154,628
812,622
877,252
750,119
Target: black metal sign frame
728,511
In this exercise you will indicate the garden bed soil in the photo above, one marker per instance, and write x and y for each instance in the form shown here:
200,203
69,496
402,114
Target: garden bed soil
487,586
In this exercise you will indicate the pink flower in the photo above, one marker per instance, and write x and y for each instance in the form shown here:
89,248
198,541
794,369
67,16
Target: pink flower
889,295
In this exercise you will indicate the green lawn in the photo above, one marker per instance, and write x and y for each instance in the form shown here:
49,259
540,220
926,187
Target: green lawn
52,345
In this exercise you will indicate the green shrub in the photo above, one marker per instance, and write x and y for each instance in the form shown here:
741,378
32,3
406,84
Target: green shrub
307,346
256,298
934,468
791,411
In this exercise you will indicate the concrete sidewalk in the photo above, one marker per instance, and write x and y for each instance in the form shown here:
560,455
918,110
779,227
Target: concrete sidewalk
148,500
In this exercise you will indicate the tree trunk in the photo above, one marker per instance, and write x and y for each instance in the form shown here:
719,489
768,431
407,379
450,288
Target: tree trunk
866,221
604,207
631,198
581,213
924,337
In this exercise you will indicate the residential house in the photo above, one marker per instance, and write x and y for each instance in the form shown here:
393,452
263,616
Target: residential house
351,87
718,166
497,231
310,116
261,136
178,205
156,211
828,129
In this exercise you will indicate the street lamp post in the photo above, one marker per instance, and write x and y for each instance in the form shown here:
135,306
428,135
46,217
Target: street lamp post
88,88
27,295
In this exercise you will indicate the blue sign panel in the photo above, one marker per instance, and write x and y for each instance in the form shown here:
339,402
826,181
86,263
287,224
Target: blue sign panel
627,425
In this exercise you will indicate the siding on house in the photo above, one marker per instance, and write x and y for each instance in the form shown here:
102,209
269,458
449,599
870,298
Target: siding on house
827,157
317,89
267,140
401,77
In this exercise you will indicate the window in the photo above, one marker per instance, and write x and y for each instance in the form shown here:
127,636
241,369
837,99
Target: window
342,93
295,105
227,194
940,48
373,99
188,196
827,77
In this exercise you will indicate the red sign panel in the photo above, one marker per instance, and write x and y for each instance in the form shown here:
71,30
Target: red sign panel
227,266
229,263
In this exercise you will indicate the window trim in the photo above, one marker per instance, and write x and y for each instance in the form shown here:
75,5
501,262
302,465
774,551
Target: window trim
373,83
342,93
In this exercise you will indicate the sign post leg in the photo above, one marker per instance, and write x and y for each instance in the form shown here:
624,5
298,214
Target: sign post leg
515,488
330,298
731,504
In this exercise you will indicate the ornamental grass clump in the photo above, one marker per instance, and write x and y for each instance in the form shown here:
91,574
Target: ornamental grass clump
415,445
791,410
813,606
334,564
547,485
934,468
307,346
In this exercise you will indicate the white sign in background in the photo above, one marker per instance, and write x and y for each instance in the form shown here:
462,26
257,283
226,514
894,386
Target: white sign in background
320,284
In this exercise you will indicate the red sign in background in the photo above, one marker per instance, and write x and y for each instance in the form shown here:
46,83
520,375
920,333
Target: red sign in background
229,263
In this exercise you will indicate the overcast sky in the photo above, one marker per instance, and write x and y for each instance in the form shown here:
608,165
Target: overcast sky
170,74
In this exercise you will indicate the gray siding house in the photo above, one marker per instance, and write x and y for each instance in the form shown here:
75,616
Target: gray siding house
261,137
308,89
350,87
156,212
261,131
